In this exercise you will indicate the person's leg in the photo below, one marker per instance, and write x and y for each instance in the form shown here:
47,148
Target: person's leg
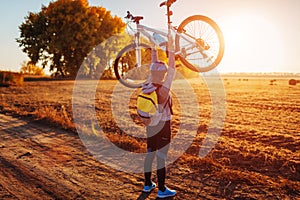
161,154
161,171
151,148
148,166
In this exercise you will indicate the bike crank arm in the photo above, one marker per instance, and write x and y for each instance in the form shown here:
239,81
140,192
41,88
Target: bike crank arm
184,54
199,50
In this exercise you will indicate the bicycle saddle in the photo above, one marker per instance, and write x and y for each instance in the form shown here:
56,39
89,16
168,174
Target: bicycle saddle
137,19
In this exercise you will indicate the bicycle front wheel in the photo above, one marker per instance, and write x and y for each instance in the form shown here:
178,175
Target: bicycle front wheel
200,42
132,65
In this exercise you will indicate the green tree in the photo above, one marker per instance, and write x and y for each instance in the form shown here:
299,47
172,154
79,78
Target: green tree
101,59
62,34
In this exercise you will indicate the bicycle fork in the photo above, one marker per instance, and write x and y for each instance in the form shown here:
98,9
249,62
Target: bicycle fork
138,54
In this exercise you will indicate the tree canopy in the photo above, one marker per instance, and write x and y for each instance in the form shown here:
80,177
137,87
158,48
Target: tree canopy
62,34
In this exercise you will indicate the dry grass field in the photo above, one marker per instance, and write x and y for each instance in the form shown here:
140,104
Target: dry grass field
257,155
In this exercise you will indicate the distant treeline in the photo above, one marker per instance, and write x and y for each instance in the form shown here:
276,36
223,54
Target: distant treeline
267,74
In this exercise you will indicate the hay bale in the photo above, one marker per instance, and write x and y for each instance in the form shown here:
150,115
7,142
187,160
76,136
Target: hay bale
11,78
292,82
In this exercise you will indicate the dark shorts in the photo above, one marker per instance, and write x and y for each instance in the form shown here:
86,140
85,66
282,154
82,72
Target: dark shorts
158,136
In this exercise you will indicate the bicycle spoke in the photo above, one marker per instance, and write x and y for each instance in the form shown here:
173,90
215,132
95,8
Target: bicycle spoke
207,49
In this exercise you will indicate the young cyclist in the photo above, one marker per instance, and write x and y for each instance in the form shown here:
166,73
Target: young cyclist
159,136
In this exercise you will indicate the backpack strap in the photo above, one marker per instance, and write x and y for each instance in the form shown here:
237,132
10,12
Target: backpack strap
170,105
168,102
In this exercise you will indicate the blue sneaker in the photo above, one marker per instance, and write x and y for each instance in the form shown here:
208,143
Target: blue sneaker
166,193
149,188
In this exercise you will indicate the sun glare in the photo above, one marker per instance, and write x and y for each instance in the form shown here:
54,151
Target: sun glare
252,44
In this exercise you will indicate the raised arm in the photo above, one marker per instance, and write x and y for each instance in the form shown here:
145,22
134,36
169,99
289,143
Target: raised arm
171,65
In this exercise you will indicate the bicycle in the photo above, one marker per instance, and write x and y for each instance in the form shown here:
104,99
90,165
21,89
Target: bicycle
199,45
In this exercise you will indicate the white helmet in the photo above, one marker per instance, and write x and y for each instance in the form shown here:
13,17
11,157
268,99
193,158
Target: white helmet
158,66
158,71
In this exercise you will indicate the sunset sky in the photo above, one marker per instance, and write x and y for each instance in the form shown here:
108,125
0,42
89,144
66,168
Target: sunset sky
260,35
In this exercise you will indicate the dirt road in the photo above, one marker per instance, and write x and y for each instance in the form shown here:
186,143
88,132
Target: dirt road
43,162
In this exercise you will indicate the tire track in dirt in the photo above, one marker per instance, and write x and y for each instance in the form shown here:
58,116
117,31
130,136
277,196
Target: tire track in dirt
40,162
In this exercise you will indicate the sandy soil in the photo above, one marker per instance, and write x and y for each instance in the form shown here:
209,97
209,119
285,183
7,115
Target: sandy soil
256,157
44,162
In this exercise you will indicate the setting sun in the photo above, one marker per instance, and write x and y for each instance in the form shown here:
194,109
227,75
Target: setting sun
252,43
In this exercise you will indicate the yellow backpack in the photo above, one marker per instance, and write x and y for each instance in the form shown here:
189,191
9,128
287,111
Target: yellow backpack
148,110
147,105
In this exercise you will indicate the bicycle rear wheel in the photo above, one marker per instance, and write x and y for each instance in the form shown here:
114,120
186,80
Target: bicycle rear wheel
200,42
126,68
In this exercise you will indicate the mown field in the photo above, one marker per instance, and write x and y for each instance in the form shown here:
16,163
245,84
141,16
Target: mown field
257,155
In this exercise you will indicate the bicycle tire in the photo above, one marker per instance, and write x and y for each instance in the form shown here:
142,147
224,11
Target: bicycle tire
197,62
125,66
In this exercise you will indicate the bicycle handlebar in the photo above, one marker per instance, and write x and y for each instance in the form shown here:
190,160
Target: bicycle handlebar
135,19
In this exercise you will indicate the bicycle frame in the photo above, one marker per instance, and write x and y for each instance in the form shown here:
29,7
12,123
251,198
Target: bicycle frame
142,29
